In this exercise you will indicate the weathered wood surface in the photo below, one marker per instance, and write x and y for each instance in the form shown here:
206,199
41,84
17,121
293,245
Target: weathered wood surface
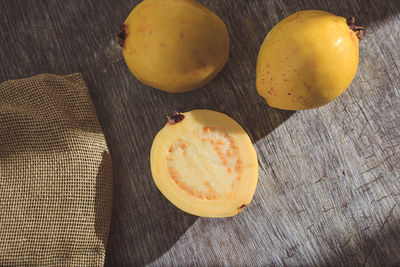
329,189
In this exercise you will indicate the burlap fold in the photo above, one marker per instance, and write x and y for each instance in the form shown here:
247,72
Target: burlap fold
55,174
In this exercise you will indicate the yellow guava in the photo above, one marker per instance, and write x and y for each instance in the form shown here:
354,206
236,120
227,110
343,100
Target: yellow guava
174,45
307,60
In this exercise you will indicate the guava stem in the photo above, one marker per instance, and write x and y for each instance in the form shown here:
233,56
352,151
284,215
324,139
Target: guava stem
357,29
122,36
175,118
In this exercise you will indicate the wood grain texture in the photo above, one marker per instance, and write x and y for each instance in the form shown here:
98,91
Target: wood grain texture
329,191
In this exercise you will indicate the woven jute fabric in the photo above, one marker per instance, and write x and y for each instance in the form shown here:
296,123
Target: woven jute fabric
55,174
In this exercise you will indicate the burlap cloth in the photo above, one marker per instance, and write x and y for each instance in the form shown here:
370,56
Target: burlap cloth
55,174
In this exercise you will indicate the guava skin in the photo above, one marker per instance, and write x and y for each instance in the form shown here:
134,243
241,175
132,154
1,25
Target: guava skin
307,60
174,45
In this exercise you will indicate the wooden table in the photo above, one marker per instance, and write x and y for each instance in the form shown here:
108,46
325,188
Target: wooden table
329,189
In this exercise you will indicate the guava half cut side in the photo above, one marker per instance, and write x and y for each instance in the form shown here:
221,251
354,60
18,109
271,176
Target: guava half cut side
205,164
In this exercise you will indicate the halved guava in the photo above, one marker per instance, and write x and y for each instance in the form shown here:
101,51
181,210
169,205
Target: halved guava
205,164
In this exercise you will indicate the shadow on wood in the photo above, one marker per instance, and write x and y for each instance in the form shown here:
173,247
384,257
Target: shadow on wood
144,224
372,249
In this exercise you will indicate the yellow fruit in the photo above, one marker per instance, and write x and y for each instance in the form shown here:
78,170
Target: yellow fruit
174,45
307,60
205,164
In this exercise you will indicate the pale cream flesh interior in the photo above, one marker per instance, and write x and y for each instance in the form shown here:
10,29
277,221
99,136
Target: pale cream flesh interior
209,166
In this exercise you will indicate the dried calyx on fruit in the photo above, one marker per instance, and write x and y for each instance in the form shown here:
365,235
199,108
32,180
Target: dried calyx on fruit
175,118
122,36
357,29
